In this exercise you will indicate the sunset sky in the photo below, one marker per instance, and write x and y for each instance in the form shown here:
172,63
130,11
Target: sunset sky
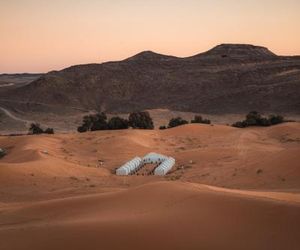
44,35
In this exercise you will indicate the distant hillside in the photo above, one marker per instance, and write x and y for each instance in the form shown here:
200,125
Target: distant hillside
18,78
230,78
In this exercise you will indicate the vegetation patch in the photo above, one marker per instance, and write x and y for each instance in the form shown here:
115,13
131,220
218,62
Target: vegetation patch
199,119
99,121
2,153
254,118
178,121
141,120
35,129
162,127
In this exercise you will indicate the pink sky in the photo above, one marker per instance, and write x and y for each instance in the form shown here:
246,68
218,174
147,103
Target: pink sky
43,35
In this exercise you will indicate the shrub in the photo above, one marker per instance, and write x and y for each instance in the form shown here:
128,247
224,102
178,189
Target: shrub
178,121
98,122
265,122
82,129
118,123
141,120
87,122
239,124
93,123
199,119
162,127
254,118
49,131
276,119
35,129
2,153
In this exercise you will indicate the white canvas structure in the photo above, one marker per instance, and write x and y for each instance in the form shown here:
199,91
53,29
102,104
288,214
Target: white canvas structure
165,164
153,158
130,167
165,167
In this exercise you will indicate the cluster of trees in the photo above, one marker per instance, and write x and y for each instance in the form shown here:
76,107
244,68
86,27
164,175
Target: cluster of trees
178,121
141,120
254,118
199,119
99,121
35,129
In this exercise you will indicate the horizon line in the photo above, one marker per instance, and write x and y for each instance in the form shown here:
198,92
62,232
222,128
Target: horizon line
145,51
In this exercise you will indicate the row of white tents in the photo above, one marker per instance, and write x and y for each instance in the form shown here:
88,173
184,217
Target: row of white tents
130,167
165,164
165,167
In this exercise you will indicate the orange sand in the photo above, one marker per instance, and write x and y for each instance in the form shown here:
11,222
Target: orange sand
230,189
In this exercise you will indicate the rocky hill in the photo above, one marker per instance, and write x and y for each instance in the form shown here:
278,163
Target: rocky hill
17,79
230,78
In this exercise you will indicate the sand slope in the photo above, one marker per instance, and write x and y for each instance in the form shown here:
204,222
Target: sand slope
164,215
231,189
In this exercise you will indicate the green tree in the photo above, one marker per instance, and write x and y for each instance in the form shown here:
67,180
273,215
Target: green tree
276,119
99,122
93,122
178,121
118,123
82,129
35,129
265,122
141,120
240,124
199,119
253,118
49,131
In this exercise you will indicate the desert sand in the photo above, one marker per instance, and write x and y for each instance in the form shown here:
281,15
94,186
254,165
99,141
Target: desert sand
230,189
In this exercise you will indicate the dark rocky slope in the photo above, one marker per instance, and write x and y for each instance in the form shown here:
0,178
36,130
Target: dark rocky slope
229,78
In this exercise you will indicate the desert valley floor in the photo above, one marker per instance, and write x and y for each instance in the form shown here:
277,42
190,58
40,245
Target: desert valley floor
230,189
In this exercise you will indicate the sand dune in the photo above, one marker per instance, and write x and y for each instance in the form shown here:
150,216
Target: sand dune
163,215
234,189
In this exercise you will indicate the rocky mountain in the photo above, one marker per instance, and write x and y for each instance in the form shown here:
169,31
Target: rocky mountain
230,78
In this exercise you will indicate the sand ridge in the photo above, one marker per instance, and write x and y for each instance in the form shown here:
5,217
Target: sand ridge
231,189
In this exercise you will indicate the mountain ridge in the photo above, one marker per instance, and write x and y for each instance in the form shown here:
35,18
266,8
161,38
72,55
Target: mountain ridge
228,78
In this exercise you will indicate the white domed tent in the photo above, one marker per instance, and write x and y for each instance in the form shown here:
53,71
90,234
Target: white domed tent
130,167
165,167
164,163
153,158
